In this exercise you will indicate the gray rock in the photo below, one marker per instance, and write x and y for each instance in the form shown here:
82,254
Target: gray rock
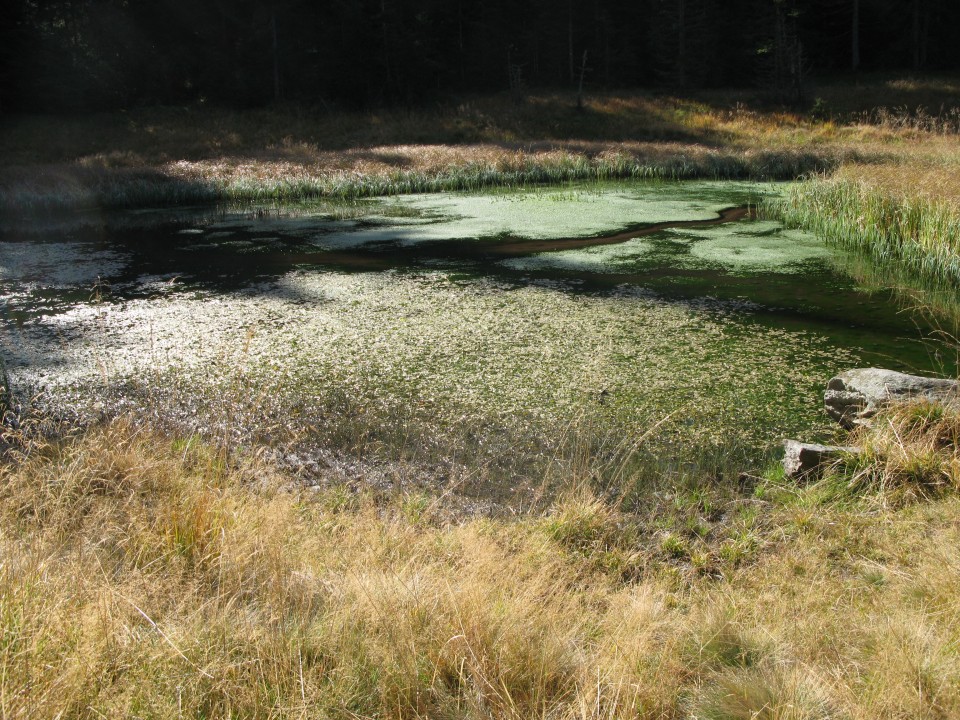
805,461
855,396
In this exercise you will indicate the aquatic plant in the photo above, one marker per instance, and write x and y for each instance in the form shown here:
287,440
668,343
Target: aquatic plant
918,233
364,360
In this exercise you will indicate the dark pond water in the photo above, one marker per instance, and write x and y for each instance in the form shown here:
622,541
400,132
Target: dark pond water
642,302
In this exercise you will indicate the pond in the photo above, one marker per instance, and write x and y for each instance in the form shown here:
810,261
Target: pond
656,314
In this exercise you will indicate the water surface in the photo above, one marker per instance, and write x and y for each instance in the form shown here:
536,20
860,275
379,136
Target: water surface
661,311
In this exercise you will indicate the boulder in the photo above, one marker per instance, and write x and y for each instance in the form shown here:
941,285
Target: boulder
855,396
805,461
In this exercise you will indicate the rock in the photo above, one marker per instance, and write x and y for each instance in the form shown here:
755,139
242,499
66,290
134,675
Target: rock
855,396
803,461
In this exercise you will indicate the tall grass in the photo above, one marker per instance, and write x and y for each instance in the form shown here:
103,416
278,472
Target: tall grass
920,234
532,171
108,188
152,576
912,451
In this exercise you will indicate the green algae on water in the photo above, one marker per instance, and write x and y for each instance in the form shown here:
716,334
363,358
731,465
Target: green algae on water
742,247
544,213
272,339
754,247
452,354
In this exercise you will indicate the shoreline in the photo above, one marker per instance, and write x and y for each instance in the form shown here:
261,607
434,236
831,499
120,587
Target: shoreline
425,169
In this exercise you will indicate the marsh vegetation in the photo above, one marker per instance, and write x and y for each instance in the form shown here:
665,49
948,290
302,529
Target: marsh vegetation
507,451
455,329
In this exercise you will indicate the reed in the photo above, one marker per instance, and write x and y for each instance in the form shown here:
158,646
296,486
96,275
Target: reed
920,234
109,188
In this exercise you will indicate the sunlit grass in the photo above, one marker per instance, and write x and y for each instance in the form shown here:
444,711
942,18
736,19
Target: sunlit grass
150,575
910,452
179,155
169,155
419,170
920,232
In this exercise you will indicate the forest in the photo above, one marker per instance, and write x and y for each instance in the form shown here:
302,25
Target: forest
83,55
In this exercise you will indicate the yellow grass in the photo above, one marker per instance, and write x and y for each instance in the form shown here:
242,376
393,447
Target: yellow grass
910,453
913,178
143,576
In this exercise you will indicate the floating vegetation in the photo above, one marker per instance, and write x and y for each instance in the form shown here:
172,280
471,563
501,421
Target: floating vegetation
247,328
576,211
735,247
443,355
759,247
596,259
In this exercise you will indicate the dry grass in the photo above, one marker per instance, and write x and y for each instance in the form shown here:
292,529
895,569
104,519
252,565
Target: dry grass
934,180
156,578
880,131
169,155
912,452
165,155
157,136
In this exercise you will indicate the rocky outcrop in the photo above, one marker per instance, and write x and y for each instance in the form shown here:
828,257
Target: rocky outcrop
806,461
853,397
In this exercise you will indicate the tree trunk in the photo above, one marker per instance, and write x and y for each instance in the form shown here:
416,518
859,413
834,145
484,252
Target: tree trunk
463,71
855,37
681,43
915,35
583,71
276,54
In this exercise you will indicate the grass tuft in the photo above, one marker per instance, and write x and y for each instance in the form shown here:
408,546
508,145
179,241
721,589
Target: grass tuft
767,694
910,452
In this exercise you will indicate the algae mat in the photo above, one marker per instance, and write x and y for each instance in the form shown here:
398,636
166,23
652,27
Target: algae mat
384,319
